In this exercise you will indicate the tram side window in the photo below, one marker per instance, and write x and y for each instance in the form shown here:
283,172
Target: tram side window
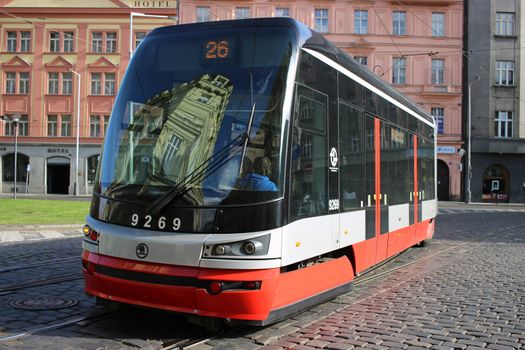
399,166
309,183
350,91
352,140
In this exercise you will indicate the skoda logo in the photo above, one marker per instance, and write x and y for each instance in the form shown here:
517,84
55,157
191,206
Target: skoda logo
142,251
333,157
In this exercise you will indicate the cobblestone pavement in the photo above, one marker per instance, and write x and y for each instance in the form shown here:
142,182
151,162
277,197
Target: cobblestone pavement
465,290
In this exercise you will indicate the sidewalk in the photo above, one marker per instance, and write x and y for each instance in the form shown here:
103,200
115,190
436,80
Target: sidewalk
21,233
63,197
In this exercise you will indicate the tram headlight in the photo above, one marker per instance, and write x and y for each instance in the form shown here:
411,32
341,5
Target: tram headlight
219,249
249,247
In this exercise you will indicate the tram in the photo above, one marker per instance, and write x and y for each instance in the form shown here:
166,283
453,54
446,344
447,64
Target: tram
251,169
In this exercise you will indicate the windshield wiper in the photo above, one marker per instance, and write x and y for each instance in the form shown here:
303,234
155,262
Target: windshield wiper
204,170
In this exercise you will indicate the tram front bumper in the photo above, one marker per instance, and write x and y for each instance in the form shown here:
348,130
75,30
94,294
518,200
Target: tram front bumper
179,288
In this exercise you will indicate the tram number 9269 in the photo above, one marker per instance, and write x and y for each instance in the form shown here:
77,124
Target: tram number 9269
333,204
160,223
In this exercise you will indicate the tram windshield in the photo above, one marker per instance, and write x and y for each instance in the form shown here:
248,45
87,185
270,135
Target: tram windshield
198,119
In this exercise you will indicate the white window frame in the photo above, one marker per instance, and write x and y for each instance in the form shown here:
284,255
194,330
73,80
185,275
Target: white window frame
503,124
438,24
361,22
399,70
505,73
505,24
202,14
438,71
321,20
399,23
439,115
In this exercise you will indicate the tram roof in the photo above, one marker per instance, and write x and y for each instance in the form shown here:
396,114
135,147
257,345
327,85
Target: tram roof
310,39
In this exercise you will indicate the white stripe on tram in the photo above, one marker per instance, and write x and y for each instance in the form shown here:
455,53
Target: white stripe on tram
364,83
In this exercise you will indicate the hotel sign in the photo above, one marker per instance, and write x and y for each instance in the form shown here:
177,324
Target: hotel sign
153,4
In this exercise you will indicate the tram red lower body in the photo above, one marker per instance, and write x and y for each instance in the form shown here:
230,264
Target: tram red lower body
277,290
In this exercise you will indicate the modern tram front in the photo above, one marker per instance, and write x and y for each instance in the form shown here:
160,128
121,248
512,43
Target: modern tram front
188,203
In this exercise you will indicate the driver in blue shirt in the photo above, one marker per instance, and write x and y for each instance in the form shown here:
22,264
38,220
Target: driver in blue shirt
259,180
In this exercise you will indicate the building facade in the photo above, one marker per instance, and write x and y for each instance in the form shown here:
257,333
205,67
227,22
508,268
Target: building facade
62,62
497,101
416,45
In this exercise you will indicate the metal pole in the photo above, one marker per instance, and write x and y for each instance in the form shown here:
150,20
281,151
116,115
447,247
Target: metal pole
77,148
469,141
16,152
131,34
469,167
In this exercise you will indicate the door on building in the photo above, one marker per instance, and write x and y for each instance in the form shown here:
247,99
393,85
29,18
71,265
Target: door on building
443,177
58,170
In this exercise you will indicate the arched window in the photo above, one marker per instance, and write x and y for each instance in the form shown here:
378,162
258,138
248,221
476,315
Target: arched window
8,166
496,183
92,164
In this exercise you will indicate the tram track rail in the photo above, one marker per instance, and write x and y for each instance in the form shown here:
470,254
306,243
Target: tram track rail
9,288
37,264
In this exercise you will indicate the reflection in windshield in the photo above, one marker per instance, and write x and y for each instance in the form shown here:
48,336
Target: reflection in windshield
187,120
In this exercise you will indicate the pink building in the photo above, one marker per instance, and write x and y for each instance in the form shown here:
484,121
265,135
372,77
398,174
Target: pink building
46,46
415,44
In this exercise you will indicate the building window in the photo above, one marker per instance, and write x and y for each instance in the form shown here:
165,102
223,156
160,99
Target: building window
25,41
18,41
109,84
68,42
67,83
96,84
92,164
362,59
53,83
94,126
24,83
505,73
399,25
52,125
54,41
503,124
505,23
11,41
61,41
321,20
242,12
111,42
438,67
438,24
360,22
282,12
439,115
203,14
23,126
10,83
399,71
96,42
139,37
65,125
